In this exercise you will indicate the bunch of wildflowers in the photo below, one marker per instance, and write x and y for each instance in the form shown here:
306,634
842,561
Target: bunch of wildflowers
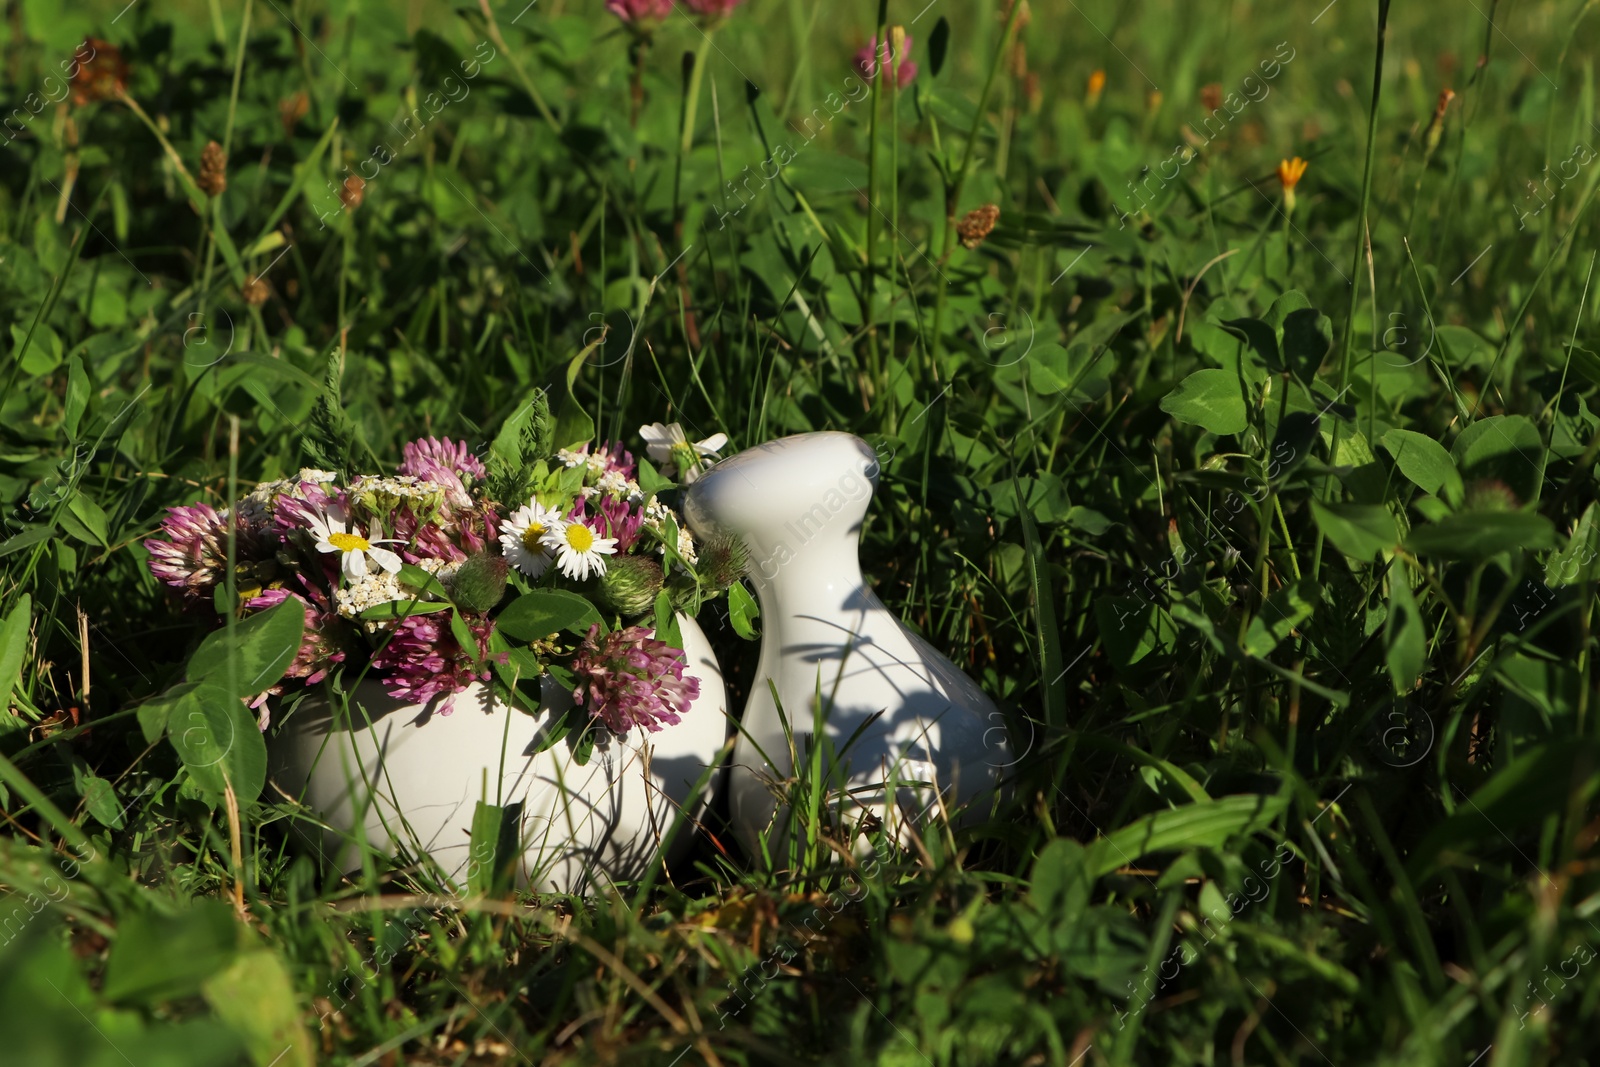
404,576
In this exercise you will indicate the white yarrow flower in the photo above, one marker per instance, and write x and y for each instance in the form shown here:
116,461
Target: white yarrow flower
579,550
616,483
368,591
666,444
522,537
442,569
334,533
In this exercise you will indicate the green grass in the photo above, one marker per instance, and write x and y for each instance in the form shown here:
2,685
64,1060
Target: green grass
1274,534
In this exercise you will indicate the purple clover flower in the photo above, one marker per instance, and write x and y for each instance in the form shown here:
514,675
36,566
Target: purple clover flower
628,679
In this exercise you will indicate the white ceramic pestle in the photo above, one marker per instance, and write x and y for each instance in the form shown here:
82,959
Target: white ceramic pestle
799,503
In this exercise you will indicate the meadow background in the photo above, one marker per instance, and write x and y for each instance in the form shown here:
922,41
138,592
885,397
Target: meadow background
1269,519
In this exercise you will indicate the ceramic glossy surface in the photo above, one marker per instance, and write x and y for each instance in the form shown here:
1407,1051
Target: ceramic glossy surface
410,778
799,503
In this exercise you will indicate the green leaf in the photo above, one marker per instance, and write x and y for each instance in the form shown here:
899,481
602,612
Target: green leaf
1359,530
1173,773
1503,448
30,536
155,713
1361,472
224,239
742,608
14,648
404,609
573,426
819,173
303,170
1132,628
938,46
219,741
492,867
521,664
332,440
84,519
1289,303
42,355
1296,434
1211,824
1307,336
1261,338
1566,567
666,628
100,798
536,615
260,649
1049,369
1044,495
1282,612
415,578
256,996
1210,399
280,369
652,481
1477,535
77,400
465,638
163,957
584,748
524,440
1425,463
1553,777
1405,640
1227,349
1061,884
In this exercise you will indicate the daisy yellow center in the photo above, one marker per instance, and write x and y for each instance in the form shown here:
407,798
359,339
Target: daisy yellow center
580,538
349,542
530,537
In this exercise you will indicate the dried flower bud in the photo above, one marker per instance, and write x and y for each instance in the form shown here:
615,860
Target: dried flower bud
255,291
1211,96
1489,494
1436,124
631,583
724,560
977,225
291,109
213,177
353,192
480,582
103,75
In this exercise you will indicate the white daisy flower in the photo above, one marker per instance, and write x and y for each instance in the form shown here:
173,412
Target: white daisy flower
335,533
579,550
666,444
522,537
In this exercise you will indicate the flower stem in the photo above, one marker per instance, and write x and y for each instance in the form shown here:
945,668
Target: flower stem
1355,269
952,200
